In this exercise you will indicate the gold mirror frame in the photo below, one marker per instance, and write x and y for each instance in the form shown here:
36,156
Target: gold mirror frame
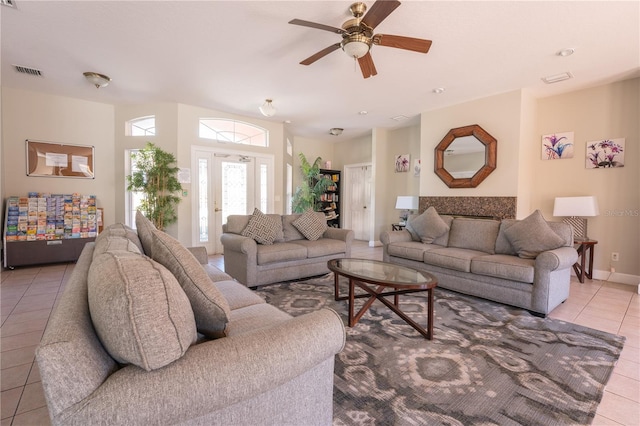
490,152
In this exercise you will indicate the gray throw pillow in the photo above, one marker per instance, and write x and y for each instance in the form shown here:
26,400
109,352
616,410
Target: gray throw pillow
210,307
428,226
311,224
262,228
145,230
138,309
532,235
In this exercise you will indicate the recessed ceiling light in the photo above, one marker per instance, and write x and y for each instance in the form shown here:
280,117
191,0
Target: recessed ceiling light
400,118
363,112
566,52
439,90
556,78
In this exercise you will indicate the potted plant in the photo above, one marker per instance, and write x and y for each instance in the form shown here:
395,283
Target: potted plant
308,194
156,177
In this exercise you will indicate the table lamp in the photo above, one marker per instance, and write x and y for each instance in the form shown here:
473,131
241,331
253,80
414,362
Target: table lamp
575,210
406,204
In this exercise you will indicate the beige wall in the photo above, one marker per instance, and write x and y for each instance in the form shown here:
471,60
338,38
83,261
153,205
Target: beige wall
603,112
38,116
500,116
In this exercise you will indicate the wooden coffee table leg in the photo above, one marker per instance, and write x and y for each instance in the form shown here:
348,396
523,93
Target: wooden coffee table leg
336,283
351,302
430,314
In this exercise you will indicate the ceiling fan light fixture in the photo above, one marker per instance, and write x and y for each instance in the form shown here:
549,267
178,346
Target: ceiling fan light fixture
267,109
356,45
335,131
97,79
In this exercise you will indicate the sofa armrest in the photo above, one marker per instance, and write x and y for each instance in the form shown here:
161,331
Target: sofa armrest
341,234
387,237
560,258
235,242
200,253
214,374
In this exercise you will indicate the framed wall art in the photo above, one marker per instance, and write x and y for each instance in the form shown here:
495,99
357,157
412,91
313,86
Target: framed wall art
402,163
605,153
557,146
59,160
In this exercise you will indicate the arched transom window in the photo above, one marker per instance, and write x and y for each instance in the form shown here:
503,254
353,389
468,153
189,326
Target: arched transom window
232,131
142,126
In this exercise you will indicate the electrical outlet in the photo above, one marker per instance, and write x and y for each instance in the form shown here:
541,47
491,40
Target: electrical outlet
615,256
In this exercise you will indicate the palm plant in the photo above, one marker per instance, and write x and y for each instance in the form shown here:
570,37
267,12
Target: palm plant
156,177
308,194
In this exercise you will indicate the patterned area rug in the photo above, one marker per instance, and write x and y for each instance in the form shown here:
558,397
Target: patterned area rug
488,364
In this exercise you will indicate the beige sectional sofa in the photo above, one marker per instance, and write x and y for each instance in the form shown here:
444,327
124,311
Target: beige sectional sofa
142,340
288,254
524,263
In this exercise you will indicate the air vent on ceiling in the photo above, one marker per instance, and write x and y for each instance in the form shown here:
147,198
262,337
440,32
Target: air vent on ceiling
9,3
28,70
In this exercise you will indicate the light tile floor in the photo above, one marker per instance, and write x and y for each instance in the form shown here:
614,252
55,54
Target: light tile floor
29,294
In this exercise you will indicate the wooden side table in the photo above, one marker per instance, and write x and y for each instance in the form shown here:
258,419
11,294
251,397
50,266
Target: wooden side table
585,248
397,227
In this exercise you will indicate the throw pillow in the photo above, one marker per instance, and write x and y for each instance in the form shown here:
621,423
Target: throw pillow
120,230
138,309
145,230
311,224
262,228
532,235
210,307
429,225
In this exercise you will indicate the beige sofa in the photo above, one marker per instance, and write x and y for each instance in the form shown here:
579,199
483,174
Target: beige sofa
127,344
289,256
524,263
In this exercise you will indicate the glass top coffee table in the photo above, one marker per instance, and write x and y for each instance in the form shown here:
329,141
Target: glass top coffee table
379,280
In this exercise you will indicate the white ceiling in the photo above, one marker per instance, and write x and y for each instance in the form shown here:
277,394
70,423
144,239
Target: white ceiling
231,55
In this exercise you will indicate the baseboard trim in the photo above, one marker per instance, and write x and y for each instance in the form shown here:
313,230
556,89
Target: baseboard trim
616,277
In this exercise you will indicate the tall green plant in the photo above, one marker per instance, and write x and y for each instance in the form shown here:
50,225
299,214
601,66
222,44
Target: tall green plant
307,195
156,177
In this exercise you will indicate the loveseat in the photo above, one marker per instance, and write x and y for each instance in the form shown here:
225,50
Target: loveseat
524,263
142,340
267,248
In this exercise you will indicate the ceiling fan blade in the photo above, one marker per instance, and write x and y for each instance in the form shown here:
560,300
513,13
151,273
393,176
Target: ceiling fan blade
379,11
324,52
366,66
316,26
400,42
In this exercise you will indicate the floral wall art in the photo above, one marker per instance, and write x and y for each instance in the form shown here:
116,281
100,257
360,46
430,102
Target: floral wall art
402,163
605,153
557,146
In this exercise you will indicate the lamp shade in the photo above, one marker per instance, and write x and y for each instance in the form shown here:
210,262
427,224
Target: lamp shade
404,202
575,206
267,109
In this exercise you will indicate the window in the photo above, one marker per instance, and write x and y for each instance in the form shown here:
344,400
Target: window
132,198
232,131
289,188
141,126
289,147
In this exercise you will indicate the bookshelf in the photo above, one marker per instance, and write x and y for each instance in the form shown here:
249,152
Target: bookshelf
330,200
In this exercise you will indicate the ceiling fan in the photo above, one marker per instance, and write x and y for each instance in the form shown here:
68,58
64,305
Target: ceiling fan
358,37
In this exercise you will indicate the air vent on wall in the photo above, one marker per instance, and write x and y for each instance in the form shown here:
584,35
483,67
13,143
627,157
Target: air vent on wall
9,3
28,70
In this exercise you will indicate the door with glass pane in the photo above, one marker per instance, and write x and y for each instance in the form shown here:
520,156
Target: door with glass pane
229,184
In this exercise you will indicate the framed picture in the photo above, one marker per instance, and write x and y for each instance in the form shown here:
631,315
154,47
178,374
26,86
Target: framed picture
59,160
402,163
557,146
605,153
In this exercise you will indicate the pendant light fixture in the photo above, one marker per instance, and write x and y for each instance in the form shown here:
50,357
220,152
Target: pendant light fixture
267,109
98,80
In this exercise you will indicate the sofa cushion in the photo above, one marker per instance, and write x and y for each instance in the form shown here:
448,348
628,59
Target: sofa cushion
120,230
474,234
532,235
291,233
139,312
237,295
451,258
311,224
262,228
413,250
114,244
145,230
429,225
322,247
503,246
280,252
443,240
504,266
250,318
210,308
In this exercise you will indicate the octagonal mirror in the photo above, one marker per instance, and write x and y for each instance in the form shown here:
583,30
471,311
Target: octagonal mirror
465,157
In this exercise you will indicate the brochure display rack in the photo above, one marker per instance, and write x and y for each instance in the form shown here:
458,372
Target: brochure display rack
48,228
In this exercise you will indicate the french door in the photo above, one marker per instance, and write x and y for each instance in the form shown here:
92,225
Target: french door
228,183
357,209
